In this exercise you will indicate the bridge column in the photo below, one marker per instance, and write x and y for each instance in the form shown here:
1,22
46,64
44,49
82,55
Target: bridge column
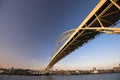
48,70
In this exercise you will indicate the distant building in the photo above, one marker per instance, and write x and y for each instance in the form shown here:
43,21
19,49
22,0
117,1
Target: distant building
116,69
105,71
1,71
94,71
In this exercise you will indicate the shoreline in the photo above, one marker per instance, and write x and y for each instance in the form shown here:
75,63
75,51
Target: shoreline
58,74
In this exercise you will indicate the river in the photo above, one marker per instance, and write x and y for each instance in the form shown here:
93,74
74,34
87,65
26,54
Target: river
115,76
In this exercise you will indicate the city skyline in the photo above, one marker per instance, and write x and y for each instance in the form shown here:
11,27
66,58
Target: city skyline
29,29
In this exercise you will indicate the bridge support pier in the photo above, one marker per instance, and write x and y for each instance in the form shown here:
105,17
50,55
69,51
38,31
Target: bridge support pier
48,70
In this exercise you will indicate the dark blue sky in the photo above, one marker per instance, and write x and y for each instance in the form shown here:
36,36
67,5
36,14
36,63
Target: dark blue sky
29,28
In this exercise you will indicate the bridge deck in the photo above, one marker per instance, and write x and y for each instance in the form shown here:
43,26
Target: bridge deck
108,14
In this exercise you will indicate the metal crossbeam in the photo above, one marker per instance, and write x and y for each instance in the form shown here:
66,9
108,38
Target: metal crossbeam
115,4
104,30
99,21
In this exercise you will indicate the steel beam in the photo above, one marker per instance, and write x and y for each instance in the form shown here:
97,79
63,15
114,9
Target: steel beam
115,4
99,21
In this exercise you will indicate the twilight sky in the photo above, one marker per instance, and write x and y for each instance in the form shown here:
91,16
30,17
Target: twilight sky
29,29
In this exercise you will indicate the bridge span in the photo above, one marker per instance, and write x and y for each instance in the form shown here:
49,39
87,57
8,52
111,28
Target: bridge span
101,19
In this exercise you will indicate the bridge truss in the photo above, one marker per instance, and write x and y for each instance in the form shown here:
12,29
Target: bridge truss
102,19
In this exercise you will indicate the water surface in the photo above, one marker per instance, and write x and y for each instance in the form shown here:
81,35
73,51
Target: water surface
115,76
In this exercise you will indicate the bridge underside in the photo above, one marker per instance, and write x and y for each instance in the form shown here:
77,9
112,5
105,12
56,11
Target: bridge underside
105,15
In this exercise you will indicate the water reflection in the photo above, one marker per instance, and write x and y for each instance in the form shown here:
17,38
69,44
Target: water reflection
49,78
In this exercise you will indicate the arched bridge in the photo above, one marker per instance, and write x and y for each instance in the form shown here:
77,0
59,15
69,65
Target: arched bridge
102,19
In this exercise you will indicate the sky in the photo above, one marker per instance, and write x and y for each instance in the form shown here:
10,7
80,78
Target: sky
29,29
